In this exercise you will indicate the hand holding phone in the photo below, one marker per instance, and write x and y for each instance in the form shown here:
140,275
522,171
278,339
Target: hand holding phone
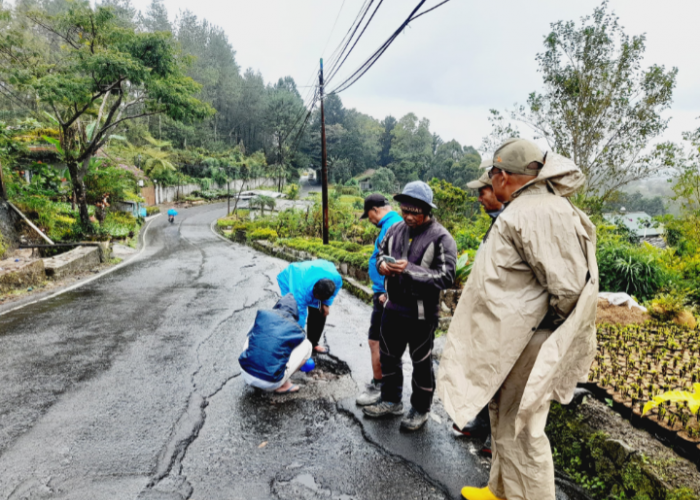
389,259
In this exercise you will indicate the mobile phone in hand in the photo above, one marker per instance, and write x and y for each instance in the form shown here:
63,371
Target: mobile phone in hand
389,260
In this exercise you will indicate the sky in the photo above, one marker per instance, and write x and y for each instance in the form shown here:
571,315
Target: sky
451,65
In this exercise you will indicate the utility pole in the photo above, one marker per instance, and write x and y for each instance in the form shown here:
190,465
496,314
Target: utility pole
324,163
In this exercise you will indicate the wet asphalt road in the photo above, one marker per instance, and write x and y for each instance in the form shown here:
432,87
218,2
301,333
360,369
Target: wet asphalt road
129,388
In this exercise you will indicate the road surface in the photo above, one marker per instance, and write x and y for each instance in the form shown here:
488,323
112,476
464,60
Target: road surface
129,388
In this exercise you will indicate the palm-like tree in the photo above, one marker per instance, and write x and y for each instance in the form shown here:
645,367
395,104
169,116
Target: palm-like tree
262,202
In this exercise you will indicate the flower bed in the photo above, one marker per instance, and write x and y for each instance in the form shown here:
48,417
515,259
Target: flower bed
352,254
636,363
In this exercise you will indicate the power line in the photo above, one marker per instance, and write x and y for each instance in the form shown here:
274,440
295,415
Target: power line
349,35
377,54
335,70
330,35
352,79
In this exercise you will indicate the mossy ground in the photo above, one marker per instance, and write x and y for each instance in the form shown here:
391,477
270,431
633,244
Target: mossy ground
607,467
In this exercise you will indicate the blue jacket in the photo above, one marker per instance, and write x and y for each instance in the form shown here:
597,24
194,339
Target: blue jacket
377,279
271,341
299,279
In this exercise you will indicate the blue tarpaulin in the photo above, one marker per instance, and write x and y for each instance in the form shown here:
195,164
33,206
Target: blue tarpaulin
172,212
271,341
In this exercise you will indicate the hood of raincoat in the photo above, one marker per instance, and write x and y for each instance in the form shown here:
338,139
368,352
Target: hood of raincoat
561,175
271,340
511,290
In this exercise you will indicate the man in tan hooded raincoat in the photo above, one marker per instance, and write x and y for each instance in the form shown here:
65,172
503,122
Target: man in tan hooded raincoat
523,333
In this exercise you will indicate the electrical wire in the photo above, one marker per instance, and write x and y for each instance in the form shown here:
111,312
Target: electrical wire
376,55
362,70
337,67
330,35
335,57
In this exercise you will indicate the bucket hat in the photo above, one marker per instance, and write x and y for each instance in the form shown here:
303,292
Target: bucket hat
416,191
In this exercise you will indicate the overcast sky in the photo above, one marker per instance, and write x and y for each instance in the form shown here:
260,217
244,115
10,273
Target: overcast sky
451,65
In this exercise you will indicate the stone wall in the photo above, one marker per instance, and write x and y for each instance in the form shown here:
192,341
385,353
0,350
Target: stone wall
8,219
165,194
77,260
20,275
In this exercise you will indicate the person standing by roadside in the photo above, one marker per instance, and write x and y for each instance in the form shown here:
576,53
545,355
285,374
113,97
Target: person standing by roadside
314,284
418,258
379,212
523,333
480,426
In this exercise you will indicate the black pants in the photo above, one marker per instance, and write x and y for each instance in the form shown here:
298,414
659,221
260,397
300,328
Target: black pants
315,323
398,332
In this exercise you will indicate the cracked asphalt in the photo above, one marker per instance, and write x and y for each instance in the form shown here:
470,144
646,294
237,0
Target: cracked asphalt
129,388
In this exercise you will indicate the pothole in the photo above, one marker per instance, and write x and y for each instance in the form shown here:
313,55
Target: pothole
329,364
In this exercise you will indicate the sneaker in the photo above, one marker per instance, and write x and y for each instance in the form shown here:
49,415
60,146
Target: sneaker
382,409
474,429
372,394
414,420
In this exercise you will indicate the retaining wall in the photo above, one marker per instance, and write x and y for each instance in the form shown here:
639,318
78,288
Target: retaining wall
77,260
164,194
20,275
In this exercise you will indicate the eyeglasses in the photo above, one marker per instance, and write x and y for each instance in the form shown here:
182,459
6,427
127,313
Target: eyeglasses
494,172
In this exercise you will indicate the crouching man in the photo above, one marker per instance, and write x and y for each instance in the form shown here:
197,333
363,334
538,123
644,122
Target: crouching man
523,333
275,349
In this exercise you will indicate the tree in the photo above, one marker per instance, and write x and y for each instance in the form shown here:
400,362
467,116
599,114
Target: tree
687,186
157,162
262,202
156,18
384,181
284,114
412,148
385,157
101,76
599,106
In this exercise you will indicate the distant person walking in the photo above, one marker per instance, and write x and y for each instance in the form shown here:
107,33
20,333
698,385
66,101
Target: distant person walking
379,212
418,258
314,284
524,332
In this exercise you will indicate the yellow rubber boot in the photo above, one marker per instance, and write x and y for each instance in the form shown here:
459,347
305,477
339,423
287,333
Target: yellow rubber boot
471,493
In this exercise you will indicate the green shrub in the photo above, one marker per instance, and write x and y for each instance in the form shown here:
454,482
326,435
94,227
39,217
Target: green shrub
667,306
263,234
3,248
292,191
152,211
636,270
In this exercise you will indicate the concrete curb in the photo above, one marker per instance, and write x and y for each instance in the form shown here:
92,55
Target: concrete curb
142,248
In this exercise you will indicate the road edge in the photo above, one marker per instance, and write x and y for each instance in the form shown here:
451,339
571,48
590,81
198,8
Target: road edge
133,258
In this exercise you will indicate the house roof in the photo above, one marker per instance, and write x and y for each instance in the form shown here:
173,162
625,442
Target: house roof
640,223
365,175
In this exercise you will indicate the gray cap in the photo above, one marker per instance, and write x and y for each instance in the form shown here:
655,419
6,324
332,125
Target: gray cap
416,191
517,155
481,182
487,163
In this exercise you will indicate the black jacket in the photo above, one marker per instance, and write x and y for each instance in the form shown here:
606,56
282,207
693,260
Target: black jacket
432,257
